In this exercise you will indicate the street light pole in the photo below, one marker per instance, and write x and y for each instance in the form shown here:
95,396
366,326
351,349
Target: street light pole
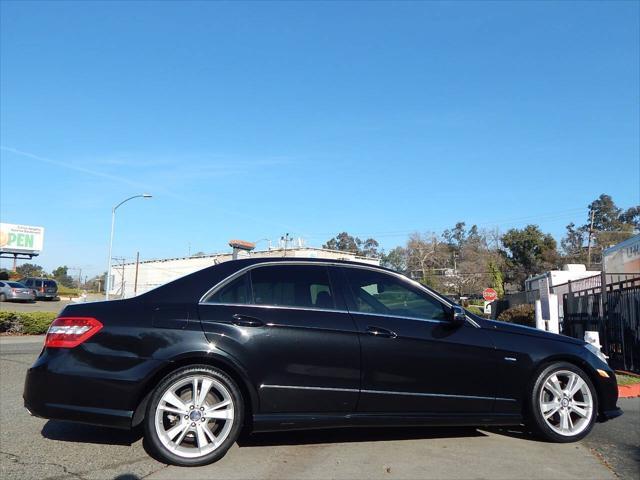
113,223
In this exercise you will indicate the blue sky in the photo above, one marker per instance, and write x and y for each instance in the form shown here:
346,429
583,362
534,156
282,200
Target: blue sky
250,120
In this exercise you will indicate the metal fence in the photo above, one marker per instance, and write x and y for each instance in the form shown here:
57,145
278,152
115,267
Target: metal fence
614,314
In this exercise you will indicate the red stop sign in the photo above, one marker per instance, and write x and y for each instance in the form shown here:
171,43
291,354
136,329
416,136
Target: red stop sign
489,294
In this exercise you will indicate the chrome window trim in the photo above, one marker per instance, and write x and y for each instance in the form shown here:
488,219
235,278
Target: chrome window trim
326,310
386,392
399,276
284,307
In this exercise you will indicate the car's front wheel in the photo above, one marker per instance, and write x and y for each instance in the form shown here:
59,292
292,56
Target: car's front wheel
194,416
563,403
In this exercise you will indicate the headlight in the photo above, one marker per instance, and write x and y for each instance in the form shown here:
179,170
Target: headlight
596,351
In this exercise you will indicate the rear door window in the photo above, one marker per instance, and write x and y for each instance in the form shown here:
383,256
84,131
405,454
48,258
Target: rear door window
235,292
303,286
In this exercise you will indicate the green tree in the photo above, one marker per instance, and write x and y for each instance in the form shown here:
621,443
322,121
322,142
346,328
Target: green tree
632,217
61,276
497,280
343,242
4,274
369,248
396,259
456,237
29,270
606,214
347,243
573,244
529,251
611,224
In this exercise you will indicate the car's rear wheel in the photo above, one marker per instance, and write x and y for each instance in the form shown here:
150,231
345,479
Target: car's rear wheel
194,416
3,297
563,403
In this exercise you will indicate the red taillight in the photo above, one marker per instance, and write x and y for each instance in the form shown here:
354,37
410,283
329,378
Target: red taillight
41,289
69,332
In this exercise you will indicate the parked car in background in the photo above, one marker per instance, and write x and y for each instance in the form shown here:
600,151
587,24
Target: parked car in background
44,288
15,291
284,344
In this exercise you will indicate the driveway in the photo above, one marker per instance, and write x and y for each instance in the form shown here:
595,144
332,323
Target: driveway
33,448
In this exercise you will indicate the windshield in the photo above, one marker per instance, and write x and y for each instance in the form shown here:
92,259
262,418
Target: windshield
16,285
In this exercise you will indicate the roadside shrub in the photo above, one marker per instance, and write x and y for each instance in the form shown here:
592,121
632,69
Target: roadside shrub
477,303
520,314
476,310
67,292
26,323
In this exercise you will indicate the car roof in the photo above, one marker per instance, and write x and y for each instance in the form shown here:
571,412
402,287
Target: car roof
256,260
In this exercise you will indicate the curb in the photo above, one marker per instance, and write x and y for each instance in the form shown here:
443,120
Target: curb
629,391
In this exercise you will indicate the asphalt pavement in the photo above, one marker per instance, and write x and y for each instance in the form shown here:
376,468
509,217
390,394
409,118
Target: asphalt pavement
33,448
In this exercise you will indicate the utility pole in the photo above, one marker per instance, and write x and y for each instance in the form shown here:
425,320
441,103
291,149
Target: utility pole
589,243
135,283
122,294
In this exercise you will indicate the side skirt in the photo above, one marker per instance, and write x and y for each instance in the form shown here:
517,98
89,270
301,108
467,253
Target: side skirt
274,422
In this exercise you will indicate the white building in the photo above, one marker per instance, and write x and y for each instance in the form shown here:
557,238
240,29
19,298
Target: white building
558,283
127,280
569,273
623,257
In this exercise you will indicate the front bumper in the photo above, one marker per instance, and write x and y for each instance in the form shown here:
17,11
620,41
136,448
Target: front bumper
609,414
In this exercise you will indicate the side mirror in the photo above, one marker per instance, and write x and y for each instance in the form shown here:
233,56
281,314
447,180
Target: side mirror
458,315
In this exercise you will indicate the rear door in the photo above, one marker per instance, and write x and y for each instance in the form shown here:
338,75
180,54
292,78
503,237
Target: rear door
413,358
50,287
293,334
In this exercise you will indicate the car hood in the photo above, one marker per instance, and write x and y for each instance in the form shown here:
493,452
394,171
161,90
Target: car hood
522,330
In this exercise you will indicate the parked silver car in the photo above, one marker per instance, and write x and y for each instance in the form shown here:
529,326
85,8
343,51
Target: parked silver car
16,291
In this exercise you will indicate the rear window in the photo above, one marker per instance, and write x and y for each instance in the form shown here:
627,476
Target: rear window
15,285
50,283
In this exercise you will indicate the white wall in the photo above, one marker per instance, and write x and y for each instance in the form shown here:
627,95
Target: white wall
154,273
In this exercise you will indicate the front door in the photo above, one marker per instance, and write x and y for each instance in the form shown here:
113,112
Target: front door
413,358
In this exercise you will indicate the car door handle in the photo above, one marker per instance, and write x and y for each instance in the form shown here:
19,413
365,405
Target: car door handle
381,332
246,321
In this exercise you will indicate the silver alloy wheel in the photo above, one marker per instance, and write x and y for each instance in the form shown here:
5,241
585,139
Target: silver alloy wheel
194,416
566,403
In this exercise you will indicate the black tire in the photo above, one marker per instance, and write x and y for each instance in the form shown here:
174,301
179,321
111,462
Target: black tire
535,419
151,434
3,297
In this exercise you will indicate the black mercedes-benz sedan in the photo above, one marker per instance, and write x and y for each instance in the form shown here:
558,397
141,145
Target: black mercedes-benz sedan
274,344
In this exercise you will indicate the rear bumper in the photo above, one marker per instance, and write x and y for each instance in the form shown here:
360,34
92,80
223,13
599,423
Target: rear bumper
46,295
68,384
74,413
20,296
